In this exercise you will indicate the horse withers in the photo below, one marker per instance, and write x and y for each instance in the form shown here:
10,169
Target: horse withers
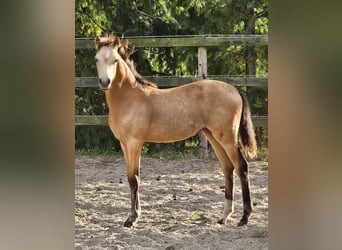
140,112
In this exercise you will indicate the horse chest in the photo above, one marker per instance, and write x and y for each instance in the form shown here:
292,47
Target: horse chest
114,131
115,128
125,126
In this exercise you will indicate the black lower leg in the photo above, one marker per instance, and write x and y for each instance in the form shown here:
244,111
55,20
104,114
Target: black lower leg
135,203
247,206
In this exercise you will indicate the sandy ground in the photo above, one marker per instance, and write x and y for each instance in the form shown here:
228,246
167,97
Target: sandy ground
181,202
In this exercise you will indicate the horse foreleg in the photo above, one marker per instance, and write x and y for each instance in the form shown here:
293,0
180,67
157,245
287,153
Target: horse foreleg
135,203
132,157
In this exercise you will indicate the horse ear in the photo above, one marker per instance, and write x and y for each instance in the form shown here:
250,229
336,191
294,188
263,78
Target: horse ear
124,50
97,41
113,40
116,41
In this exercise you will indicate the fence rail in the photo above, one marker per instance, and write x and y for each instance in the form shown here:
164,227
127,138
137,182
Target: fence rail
174,81
183,41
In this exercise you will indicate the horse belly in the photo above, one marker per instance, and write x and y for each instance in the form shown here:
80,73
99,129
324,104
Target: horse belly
173,130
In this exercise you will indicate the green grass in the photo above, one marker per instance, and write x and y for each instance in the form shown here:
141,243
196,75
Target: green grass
168,151
98,152
169,154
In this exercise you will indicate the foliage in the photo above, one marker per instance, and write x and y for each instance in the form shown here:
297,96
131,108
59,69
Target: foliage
161,17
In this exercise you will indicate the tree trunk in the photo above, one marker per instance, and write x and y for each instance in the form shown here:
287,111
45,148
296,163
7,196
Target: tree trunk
250,54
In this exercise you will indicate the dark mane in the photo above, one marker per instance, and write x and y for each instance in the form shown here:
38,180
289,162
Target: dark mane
125,52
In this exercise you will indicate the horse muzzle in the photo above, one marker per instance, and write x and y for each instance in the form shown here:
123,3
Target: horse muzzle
104,83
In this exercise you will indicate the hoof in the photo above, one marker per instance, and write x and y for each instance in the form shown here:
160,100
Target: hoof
130,222
221,221
243,221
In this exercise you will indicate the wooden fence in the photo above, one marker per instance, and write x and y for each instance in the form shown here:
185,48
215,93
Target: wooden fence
200,41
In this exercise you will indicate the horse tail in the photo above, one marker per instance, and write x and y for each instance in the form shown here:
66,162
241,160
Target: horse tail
246,130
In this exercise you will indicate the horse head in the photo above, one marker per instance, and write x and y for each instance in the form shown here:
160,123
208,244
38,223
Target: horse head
107,57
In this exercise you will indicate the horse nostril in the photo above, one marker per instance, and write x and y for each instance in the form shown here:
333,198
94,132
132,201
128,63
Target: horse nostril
100,81
108,81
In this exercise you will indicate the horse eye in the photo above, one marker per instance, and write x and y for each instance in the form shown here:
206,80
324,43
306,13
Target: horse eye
115,61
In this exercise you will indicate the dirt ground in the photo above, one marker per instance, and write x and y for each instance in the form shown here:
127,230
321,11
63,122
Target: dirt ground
181,201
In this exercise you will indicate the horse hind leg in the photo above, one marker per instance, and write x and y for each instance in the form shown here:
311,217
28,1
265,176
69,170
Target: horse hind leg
241,168
227,169
228,141
242,172
228,209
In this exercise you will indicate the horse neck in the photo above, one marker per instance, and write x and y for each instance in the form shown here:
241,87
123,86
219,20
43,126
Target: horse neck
124,84
125,75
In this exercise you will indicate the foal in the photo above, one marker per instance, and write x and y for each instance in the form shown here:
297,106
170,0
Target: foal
140,112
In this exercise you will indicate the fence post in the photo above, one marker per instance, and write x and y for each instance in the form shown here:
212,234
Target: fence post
202,73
